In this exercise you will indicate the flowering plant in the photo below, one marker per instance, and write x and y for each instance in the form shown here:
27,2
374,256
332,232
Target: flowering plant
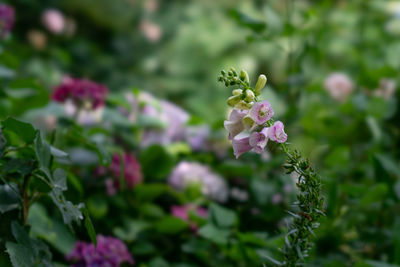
250,126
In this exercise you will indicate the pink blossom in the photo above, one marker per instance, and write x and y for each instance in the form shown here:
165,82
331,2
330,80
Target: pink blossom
211,184
132,172
386,90
261,112
183,212
109,251
151,30
235,125
7,19
241,145
258,140
339,86
54,20
276,132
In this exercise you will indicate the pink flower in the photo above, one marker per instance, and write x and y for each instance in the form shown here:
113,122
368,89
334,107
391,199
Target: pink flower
258,140
339,86
241,145
183,212
151,30
109,251
235,125
54,20
276,132
7,19
261,112
132,172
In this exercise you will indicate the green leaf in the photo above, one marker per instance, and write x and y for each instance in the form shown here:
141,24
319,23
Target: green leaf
89,226
223,217
60,179
246,21
18,165
50,229
58,153
130,229
43,155
21,130
97,206
9,200
171,225
156,155
27,252
375,194
214,234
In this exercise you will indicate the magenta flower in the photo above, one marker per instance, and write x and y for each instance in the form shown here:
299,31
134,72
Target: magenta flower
261,112
109,251
241,145
132,173
276,132
258,140
80,91
7,19
183,212
235,125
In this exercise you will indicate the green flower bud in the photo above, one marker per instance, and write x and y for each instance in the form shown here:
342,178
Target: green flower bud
249,96
244,76
237,92
233,72
243,105
262,80
233,100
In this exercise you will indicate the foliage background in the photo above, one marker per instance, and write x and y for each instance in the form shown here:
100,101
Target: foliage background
353,144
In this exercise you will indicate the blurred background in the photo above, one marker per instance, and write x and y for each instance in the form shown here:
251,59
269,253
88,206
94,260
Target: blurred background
332,69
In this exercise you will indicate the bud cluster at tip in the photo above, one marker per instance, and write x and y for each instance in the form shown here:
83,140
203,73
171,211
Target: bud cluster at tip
245,96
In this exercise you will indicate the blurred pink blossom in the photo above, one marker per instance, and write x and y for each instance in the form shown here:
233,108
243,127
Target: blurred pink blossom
387,88
339,86
150,30
183,212
53,20
7,19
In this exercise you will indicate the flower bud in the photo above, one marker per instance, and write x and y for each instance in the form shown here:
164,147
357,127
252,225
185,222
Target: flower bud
249,96
233,100
237,92
243,105
262,80
233,72
244,76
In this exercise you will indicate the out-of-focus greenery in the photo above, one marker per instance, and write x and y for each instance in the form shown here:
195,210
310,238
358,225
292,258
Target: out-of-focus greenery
353,144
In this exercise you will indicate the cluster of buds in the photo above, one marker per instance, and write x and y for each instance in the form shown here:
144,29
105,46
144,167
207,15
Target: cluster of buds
250,124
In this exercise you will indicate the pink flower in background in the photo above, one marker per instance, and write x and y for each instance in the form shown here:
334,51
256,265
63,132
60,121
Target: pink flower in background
197,137
276,198
261,112
81,92
234,125
183,212
109,251
150,30
132,173
276,132
151,5
386,90
7,19
339,86
53,20
186,174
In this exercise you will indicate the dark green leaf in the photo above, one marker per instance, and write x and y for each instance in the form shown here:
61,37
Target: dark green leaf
22,130
89,226
9,199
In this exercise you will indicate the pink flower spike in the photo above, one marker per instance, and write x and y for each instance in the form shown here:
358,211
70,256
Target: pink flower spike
261,112
241,144
258,141
234,126
276,132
